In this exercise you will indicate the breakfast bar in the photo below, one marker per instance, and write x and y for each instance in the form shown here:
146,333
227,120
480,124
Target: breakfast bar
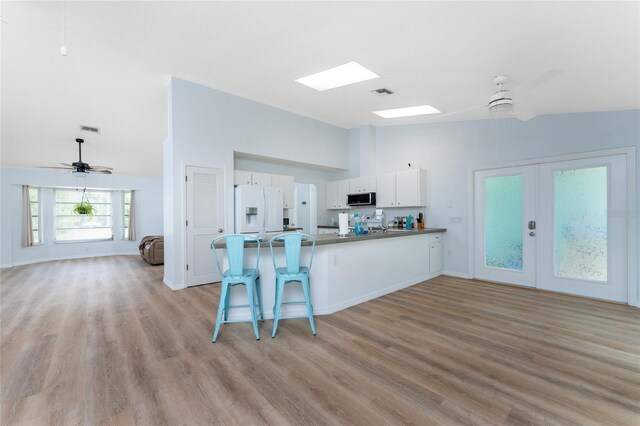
347,270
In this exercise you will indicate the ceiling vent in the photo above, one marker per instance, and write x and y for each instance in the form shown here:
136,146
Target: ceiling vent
382,92
89,129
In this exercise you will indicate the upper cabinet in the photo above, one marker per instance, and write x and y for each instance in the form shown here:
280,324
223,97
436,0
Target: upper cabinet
287,185
362,184
411,188
337,194
261,179
386,192
402,189
343,190
332,195
241,177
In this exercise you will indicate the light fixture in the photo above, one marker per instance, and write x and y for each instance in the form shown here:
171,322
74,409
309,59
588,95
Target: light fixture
501,102
63,48
407,112
342,75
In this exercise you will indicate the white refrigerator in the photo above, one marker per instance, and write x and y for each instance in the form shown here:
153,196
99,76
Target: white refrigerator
258,209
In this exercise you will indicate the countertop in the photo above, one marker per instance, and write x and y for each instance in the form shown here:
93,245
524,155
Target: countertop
323,239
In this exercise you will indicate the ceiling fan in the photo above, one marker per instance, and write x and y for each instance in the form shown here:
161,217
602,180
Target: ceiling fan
80,166
501,103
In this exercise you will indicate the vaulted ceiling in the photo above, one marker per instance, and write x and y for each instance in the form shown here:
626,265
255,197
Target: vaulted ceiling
121,54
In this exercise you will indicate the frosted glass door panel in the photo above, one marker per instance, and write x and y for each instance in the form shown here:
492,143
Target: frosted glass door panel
505,250
580,223
503,222
583,228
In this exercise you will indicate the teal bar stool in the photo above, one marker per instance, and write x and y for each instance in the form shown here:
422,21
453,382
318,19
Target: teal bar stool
237,274
293,272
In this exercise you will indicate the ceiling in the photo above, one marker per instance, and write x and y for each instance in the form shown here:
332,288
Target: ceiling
121,54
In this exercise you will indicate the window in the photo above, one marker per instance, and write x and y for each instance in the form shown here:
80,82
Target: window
34,202
126,209
71,226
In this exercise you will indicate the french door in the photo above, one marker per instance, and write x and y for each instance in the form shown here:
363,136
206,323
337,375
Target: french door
554,226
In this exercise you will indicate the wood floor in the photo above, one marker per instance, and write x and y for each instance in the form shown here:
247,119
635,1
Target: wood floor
103,341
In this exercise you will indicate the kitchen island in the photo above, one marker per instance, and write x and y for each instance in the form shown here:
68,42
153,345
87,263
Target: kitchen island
347,270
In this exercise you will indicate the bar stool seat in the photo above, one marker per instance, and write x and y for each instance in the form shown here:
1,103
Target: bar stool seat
237,274
293,272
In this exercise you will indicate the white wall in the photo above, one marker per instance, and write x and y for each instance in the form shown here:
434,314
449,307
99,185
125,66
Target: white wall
207,126
447,150
148,215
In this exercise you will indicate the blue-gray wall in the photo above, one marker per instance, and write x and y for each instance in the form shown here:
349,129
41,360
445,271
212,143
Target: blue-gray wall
447,150
207,126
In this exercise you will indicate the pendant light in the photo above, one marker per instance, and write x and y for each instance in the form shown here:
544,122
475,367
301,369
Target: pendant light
63,48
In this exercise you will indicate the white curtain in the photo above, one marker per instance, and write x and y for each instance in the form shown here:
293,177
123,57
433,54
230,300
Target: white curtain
132,218
27,224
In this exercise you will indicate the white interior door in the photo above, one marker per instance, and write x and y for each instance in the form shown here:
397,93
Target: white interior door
205,221
505,249
583,227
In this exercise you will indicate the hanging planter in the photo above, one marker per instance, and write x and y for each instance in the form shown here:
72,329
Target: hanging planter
84,206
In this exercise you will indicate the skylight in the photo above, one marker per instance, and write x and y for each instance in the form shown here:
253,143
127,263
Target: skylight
342,75
407,112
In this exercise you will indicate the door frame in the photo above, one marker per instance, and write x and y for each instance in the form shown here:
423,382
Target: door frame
630,155
183,171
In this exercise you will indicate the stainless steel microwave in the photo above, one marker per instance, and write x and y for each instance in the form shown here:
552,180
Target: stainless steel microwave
363,199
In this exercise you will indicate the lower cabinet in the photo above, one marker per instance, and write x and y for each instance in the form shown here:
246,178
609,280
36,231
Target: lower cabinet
436,253
327,230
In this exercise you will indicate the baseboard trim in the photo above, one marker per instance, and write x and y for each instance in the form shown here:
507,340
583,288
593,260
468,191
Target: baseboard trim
457,275
375,294
52,259
301,311
169,284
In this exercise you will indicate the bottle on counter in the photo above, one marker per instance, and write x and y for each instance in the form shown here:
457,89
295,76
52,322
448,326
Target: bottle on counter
357,225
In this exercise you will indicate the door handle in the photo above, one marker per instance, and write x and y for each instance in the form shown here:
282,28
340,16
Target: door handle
220,230
532,234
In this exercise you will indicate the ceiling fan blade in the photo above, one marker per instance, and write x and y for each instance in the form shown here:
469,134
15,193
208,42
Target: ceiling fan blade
68,165
56,167
531,84
460,111
523,114
99,167
104,172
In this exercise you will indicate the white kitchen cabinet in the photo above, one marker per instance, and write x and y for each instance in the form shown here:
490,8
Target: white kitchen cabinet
261,179
327,230
287,185
362,184
402,189
332,195
436,252
241,177
386,190
343,190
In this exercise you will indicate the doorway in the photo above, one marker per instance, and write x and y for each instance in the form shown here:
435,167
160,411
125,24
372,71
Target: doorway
553,226
205,219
